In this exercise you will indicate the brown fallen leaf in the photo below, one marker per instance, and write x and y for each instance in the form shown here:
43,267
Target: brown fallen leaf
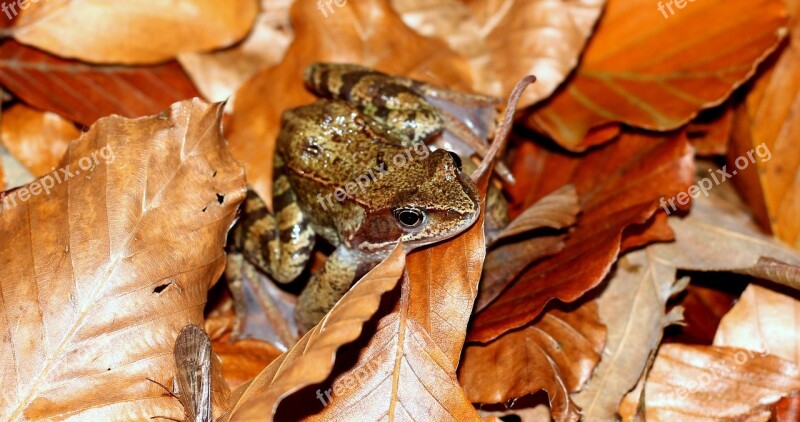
633,307
367,32
708,383
219,74
311,360
616,192
660,77
503,263
84,93
738,244
102,272
557,354
134,31
767,117
763,321
505,40
704,304
38,139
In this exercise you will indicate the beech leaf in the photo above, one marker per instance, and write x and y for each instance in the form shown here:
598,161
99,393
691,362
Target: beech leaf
103,271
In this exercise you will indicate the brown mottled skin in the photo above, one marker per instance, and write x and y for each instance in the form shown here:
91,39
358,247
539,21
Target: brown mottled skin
354,135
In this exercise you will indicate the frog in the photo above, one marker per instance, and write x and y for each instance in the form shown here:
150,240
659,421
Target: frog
352,168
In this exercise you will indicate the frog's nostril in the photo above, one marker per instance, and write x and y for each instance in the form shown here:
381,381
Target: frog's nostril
456,159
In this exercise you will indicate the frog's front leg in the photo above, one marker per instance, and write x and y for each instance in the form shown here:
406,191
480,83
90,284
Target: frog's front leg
330,283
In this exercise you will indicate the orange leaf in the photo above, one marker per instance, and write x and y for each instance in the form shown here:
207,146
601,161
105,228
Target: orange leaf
652,71
37,139
133,31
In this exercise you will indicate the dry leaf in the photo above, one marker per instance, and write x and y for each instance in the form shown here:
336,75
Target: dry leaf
616,192
367,32
738,244
557,353
708,383
101,273
133,31
503,263
768,116
506,40
633,307
652,72
710,132
84,93
219,74
311,359
763,321
38,139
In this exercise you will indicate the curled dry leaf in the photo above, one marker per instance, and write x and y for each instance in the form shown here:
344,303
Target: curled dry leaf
763,321
503,263
633,307
134,31
37,139
661,77
311,360
616,192
709,383
505,40
219,74
768,116
84,93
367,32
557,354
126,251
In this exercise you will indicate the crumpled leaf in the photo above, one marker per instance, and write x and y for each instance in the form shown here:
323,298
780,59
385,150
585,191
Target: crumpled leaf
38,139
311,360
616,192
633,307
102,273
219,74
768,116
506,40
367,32
557,353
84,93
133,31
763,321
709,383
660,77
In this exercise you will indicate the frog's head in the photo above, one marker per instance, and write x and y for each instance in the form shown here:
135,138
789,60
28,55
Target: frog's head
420,202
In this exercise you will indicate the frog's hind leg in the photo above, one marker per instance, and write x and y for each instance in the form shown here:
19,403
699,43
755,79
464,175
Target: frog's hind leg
278,244
328,285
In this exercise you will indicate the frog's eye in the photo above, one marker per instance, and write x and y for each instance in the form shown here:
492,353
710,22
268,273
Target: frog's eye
409,218
456,159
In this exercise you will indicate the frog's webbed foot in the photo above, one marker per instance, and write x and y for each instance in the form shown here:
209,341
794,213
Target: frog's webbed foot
281,244
327,286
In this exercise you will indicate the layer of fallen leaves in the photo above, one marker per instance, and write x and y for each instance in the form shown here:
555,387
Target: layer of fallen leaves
101,271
